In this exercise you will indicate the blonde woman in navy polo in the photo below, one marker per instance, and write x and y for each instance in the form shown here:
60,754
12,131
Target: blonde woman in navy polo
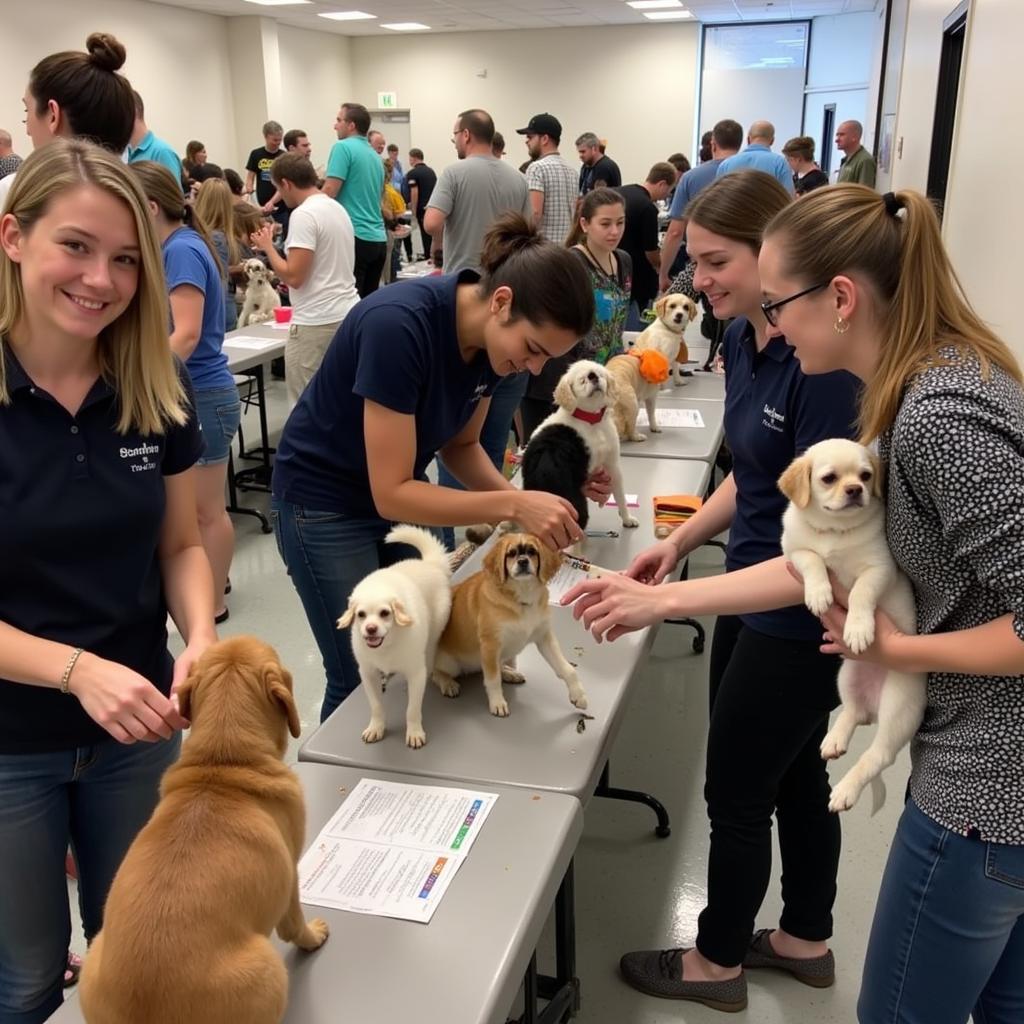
771,687
99,542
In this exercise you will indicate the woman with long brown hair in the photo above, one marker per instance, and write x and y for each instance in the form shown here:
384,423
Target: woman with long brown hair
215,206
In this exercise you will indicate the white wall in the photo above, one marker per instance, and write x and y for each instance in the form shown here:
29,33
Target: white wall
177,60
633,86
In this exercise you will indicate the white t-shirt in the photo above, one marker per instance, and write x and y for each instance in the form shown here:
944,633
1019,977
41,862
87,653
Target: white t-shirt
5,187
322,225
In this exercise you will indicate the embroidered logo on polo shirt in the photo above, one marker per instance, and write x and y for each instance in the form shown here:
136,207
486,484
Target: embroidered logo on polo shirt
140,456
479,392
773,420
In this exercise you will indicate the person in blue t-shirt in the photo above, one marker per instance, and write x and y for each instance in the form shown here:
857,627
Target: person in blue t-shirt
771,688
409,376
196,285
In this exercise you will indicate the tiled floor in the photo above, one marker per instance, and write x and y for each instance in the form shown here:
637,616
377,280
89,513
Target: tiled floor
632,889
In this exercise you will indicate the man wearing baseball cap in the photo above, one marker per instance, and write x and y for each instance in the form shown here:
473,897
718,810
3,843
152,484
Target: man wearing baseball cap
551,181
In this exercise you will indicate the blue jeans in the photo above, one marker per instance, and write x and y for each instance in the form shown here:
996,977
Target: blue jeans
494,434
948,936
327,554
95,798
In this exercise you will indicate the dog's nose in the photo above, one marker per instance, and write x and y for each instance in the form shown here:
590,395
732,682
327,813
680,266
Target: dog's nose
592,377
854,489
523,563
371,629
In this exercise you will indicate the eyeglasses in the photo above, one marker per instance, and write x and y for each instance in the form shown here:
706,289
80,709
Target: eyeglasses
769,308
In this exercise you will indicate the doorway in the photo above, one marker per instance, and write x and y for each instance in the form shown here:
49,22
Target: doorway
954,34
828,134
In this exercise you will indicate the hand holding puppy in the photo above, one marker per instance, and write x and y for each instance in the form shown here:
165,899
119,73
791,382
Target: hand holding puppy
548,517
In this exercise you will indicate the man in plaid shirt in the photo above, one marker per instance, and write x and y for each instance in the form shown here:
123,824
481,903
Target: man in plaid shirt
552,182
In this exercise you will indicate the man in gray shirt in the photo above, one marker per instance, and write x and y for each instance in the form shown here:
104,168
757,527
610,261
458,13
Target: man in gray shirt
471,194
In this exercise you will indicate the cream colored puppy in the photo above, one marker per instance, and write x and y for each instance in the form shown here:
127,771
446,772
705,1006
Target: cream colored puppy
836,520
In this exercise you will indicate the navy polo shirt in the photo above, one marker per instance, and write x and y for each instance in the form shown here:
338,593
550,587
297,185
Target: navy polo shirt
81,508
773,412
397,347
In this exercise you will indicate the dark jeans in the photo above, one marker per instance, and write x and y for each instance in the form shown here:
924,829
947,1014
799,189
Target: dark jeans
948,935
370,257
770,703
327,554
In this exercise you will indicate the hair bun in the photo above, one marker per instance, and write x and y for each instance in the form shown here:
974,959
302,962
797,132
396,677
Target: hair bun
106,51
511,233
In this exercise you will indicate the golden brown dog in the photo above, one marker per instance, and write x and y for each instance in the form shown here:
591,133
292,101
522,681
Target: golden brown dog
495,614
186,924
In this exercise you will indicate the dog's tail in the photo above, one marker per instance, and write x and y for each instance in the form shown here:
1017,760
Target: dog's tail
430,548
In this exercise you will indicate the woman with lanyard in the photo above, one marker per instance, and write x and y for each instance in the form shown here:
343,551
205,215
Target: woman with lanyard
407,377
99,543
862,282
197,287
771,689
600,222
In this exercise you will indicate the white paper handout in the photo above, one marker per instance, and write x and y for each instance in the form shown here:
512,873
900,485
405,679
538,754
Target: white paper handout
258,344
572,571
392,850
673,418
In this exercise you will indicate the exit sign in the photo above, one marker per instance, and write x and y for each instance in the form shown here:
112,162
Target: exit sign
387,100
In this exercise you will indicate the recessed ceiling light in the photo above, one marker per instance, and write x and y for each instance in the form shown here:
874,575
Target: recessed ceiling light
651,5
278,3
405,26
348,15
667,15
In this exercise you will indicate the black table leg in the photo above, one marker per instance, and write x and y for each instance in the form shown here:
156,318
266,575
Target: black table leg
663,828
233,506
563,990
258,477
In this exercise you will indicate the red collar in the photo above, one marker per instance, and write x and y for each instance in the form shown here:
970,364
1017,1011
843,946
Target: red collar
589,417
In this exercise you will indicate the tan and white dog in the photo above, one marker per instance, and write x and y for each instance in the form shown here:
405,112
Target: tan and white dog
836,520
633,388
261,298
496,613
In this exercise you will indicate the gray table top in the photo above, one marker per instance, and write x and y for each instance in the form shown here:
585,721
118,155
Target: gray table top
240,359
538,745
468,963
704,386
684,443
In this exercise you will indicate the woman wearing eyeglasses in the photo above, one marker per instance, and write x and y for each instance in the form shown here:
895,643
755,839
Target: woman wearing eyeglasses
771,689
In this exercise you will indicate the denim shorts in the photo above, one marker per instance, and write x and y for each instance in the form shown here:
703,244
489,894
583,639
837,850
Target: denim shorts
219,412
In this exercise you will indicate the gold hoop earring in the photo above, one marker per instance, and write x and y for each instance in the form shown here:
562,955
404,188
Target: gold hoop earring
841,326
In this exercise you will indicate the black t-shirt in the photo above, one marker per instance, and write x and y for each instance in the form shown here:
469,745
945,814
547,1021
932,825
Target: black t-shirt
259,163
812,179
424,179
82,507
640,237
606,170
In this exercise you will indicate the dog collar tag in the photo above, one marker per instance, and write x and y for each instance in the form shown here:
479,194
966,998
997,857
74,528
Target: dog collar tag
589,417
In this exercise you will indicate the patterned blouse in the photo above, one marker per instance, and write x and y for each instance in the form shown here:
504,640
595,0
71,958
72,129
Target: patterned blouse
955,524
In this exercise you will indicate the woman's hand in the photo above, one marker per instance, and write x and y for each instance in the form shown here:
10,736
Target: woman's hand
598,487
548,516
264,238
653,564
126,704
610,606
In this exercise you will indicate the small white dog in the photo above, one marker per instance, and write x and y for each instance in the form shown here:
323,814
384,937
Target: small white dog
399,614
577,439
836,520
261,298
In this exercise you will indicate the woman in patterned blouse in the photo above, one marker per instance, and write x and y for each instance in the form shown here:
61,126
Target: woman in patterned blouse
861,282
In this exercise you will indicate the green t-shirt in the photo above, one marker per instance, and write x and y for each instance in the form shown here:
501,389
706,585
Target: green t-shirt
858,169
361,171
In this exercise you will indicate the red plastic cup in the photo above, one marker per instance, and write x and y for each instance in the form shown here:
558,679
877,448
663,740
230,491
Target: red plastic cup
283,314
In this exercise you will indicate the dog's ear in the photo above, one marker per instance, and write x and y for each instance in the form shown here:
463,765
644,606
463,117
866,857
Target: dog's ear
795,482
563,396
494,562
550,561
877,481
277,682
402,617
659,306
611,388
184,693
691,309
346,620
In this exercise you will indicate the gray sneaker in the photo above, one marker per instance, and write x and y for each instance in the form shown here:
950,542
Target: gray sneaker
818,971
659,972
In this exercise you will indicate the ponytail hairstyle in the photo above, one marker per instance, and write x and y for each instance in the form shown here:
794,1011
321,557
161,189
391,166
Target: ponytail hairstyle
738,206
894,241
162,188
587,207
94,100
549,285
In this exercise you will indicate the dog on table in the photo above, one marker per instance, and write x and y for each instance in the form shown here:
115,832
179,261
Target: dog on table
261,298
836,520
496,613
397,615
186,924
577,439
641,371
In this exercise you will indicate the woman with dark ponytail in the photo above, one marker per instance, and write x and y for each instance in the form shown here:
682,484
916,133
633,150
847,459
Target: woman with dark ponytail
409,376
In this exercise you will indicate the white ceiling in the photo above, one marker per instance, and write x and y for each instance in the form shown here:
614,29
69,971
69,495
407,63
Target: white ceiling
490,15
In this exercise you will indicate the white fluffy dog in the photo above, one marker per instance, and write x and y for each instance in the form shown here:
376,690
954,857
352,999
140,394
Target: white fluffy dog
261,298
836,520
399,613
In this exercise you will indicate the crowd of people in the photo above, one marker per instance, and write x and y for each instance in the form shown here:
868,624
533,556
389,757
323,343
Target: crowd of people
845,317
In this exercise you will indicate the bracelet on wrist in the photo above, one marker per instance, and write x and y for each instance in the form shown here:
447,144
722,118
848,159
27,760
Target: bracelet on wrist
69,668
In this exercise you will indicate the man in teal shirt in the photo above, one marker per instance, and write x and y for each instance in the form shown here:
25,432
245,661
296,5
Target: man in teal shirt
144,145
355,177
